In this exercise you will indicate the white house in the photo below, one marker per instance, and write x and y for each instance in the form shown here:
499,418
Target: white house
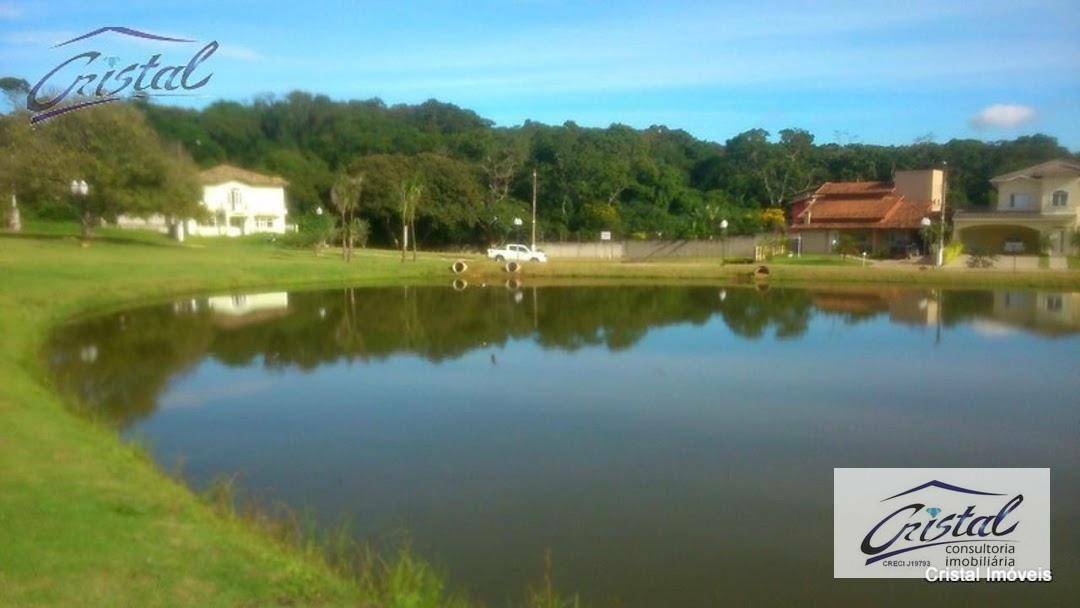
239,202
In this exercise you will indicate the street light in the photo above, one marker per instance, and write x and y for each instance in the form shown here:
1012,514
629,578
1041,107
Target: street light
79,190
926,222
944,192
723,241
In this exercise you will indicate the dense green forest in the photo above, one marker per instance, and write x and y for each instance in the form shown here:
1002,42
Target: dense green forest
634,182
478,177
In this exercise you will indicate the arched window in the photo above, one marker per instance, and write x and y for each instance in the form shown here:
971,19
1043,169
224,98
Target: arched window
235,199
1060,198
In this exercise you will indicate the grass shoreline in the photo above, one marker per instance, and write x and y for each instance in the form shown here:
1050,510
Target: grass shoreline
86,519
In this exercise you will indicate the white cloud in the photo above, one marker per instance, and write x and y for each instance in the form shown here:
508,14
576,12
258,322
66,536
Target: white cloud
1003,116
9,10
240,53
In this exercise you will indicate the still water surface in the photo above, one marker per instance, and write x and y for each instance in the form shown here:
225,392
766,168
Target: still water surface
670,446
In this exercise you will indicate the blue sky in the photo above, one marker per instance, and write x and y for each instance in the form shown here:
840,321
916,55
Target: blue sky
867,71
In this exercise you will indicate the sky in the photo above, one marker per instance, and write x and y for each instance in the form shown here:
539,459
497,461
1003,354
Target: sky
869,71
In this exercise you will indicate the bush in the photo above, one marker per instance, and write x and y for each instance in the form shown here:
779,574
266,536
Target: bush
981,259
953,251
849,245
311,230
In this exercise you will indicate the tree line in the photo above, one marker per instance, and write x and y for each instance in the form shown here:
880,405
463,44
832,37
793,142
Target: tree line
467,178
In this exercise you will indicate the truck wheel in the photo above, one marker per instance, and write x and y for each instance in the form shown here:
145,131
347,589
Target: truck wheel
534,259
500,258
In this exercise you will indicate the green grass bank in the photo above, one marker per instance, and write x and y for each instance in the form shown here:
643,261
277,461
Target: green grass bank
88,520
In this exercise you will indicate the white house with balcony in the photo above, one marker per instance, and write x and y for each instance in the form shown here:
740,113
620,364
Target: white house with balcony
1037,210
238,202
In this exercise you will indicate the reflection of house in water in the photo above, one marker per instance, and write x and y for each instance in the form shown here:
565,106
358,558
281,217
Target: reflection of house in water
1043,312
907,306
246,309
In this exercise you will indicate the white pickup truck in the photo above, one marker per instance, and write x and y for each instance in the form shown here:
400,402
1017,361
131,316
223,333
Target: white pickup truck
516,253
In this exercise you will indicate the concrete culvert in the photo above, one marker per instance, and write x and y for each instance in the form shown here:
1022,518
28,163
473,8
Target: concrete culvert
513,284
512,267
459,267
460,284
762,270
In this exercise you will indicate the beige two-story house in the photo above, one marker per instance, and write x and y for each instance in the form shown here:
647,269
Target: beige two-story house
1034,205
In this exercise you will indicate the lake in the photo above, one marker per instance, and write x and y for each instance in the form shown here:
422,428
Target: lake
667,445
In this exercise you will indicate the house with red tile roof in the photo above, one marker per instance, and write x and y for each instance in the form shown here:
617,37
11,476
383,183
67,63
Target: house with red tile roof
884,218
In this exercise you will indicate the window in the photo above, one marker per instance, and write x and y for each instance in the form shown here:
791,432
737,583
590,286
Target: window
236,201
1019,200
1054,303
264,222
1060,198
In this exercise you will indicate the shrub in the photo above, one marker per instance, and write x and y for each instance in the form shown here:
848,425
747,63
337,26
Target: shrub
311,230
848,245
953,250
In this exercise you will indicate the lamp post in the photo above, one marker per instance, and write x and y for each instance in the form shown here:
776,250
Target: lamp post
944,191
723,241
532,244
323,234
79,190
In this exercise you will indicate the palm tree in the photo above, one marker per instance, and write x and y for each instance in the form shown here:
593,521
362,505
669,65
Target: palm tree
411,192
345,196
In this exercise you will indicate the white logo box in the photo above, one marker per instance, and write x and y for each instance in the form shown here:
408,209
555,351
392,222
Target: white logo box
906,523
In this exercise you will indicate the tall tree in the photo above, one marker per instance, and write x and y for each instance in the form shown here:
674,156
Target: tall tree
410,193
345,197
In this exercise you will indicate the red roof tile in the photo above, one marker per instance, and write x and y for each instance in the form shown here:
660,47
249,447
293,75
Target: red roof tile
860,209
873,205
907,214
862,188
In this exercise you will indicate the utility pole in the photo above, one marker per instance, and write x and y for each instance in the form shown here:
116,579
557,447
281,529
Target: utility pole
533,244
944,192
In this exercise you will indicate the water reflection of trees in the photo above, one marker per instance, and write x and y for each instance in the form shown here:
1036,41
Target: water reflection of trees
118,365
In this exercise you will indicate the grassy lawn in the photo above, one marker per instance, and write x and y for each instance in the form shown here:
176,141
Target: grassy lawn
87,520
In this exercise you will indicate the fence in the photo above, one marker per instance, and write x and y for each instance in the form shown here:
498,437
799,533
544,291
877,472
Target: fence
639,251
